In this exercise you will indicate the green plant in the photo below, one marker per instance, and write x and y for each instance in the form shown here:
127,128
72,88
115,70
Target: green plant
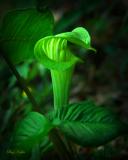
83,123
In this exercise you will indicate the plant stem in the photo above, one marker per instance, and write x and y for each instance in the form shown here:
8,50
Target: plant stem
35,153
61,81
20,80
60,145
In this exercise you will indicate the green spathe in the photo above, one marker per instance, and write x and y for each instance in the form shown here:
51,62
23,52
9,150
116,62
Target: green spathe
54,53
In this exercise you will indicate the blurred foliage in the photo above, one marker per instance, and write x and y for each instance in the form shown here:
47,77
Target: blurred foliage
103,78
29,25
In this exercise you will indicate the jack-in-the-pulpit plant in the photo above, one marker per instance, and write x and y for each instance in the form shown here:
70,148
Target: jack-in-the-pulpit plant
83,123
54,53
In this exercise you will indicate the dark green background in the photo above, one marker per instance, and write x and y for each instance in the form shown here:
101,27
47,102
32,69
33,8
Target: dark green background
103,77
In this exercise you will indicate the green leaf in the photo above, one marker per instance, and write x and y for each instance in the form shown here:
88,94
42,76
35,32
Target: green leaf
54,53
30,131
88,125
20,31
